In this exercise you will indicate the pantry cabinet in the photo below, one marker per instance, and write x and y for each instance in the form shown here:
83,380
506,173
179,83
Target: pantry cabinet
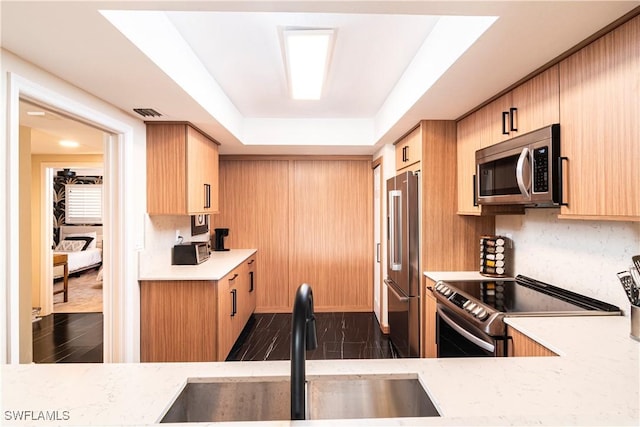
600,130
409,151
523,346
182,170
429,346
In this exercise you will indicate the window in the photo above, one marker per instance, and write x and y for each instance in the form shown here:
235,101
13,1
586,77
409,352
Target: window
83,203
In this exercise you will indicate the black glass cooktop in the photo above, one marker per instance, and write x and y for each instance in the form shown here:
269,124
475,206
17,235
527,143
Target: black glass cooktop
526,295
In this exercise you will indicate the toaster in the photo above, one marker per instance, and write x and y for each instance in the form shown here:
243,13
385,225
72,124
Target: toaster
190,253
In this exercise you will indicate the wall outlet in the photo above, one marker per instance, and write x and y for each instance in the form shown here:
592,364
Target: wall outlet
178,238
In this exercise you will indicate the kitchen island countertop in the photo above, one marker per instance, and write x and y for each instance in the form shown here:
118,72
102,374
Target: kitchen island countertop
219,264
595,380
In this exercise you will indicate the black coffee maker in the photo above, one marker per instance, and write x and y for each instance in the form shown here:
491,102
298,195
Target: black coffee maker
220,234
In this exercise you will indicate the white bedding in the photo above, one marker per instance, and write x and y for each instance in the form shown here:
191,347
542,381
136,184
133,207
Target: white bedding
79,260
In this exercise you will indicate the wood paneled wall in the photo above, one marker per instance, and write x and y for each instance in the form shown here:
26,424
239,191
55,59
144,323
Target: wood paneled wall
311,221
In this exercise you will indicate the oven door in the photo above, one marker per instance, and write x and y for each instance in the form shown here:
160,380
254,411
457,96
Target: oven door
457,338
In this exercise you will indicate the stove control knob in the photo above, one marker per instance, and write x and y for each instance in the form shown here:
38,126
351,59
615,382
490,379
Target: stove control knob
477,310
470,307
439,287
466,304
447,292
482,314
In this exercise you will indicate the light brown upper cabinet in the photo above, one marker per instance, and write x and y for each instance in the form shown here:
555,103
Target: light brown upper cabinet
530,106
469,140
182,170
600,129
409,151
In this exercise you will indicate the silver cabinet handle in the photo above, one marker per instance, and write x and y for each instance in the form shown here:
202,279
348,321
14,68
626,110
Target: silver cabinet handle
524,189
466,334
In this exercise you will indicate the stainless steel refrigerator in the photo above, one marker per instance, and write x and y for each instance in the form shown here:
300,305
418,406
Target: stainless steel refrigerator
403,268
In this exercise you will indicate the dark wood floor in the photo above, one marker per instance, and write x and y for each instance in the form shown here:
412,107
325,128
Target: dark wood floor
68,338
77,338
340,336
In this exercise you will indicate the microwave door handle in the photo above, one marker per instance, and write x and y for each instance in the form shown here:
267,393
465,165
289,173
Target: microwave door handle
524,155
394,245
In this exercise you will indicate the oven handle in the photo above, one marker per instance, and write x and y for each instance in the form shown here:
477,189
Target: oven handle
469,336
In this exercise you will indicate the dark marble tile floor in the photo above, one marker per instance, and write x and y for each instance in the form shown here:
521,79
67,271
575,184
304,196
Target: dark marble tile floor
340,336
68,338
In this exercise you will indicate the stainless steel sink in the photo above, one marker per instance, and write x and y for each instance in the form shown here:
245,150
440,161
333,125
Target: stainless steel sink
327,398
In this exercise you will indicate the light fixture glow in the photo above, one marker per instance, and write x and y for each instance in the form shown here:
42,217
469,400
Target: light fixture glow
307,56
35,113
69,144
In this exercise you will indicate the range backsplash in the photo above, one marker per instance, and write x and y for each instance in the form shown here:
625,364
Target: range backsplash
582,256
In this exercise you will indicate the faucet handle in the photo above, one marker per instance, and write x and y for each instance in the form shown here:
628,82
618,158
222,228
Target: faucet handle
312,336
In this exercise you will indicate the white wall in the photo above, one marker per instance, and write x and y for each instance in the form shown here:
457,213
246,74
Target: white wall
131,177
582,256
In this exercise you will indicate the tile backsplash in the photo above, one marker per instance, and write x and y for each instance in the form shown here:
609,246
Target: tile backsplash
160,236
582,256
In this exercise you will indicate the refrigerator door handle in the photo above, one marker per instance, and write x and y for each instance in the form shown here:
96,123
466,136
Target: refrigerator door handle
395,237
398,296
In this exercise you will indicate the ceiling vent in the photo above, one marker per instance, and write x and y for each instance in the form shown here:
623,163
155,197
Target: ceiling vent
147,112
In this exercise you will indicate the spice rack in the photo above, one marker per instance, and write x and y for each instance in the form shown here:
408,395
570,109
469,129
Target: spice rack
496,256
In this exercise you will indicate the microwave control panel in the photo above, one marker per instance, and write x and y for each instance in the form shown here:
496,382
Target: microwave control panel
541,170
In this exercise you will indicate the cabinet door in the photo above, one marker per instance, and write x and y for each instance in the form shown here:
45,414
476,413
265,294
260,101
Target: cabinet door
467,144
491,123
227,314
202,172
409,151
537,102
600,130
251,285
429,322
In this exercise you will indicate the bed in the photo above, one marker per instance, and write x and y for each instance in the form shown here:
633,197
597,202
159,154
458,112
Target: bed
83,246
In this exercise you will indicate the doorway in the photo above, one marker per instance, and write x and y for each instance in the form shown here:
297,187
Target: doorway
121,330
65,202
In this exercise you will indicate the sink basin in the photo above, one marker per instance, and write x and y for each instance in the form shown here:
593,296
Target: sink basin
327,398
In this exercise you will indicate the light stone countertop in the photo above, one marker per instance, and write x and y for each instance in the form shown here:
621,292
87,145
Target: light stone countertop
158,266
595,381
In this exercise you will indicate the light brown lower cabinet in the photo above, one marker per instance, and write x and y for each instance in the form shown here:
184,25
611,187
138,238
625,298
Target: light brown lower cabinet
195,321
523,346
429,346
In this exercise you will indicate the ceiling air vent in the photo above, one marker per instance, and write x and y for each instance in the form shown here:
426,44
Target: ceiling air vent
147,112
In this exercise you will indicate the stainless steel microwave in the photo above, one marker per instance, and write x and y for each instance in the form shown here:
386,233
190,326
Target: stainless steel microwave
525,170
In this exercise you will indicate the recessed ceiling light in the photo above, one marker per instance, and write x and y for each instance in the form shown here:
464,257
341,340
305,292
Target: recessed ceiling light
67,143
307,55
35,113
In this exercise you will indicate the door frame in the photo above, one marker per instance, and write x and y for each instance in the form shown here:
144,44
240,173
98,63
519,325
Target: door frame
383,320
119,257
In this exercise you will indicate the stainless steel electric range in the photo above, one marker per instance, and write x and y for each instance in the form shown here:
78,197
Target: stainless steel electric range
470,314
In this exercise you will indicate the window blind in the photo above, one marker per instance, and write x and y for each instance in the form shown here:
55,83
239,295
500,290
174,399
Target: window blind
83,203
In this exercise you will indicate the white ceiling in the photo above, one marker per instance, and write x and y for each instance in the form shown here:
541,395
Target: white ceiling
49,129
236,43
